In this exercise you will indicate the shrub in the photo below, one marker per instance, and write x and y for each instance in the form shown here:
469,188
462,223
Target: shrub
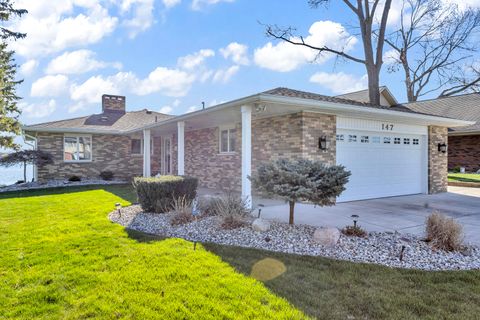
233,210
183,211
159,194
354,231
301,180
106,175
456,169
74,179
444,233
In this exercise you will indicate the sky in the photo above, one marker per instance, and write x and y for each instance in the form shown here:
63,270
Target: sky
172,55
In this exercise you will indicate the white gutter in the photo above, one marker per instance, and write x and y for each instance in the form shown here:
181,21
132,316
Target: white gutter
73,130
34,146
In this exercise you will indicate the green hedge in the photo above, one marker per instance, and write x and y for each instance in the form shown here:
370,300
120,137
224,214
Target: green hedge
157,194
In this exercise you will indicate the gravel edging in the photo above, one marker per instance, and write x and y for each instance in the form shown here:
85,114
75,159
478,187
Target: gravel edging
56,184
381,248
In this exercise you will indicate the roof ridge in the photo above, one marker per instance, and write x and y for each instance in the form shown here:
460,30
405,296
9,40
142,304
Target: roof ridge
439,98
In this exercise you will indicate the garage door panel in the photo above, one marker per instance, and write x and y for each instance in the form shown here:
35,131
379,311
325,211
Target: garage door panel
380,169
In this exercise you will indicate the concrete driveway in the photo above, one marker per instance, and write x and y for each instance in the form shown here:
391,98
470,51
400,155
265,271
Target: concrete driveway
405,214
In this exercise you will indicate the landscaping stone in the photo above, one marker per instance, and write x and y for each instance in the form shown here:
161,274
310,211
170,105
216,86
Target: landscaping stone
260,225
379,247
327,236
56,184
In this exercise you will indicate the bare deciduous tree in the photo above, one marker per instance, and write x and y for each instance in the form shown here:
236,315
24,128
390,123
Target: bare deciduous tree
433,45
372,31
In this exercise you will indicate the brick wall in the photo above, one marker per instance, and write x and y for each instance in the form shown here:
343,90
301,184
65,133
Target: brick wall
289,136
464,151
110,152
437,161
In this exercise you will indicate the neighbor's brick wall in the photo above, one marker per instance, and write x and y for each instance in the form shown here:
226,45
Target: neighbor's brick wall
437,161
464,151
110,152
289,136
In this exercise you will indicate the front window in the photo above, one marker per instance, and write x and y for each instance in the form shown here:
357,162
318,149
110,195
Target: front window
227,140
136,146
77,148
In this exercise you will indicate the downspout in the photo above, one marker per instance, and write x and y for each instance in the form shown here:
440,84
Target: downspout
34,147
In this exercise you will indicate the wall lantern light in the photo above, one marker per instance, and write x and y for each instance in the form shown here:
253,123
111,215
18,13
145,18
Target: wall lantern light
442,147
323,143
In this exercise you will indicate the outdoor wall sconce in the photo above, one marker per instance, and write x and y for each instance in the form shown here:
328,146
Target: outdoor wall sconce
442,147
323,143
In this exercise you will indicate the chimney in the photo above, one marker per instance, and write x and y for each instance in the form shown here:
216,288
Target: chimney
111,103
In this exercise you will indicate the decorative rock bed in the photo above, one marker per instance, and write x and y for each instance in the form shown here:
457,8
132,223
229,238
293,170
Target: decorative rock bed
56,184
379,247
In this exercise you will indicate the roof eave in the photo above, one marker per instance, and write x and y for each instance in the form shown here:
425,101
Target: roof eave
71,130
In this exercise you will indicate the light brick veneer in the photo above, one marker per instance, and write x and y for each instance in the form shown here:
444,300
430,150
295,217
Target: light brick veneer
110,152
290,136
437,161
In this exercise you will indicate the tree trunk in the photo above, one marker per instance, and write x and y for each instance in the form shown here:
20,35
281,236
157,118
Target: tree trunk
292,207
24,171
373,85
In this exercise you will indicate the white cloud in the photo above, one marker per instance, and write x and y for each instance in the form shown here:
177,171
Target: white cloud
193,108
49,30
199,4
166,110
196,59
91,90
142,15
224,75
28,67
170,3
77,62
391,57
169,82
284,57
237,52
41,110
49,86
340,82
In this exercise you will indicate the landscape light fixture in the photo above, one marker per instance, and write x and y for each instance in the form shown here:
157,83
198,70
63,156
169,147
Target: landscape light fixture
442,147
118,206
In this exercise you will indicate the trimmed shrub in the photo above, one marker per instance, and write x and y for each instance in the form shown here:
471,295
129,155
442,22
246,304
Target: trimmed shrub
354,231
159,194
444,233
74,179
106,175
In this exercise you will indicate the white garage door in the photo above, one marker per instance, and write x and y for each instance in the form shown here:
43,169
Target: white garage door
382,164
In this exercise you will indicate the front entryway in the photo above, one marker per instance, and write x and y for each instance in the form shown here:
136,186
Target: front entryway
383,163
167,156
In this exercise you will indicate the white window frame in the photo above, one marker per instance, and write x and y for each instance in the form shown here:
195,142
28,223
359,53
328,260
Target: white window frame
228,128
77,136
141,146
164,155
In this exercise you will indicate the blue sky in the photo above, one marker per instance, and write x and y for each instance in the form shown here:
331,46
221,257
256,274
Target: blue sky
170,55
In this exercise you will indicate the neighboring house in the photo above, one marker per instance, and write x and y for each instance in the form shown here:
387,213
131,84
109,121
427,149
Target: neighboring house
463,142
390,151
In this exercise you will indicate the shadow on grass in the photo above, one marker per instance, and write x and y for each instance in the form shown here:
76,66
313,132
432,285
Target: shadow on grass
463,179
124,191
143,237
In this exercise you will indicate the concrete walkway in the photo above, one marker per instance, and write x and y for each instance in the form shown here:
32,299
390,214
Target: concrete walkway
405,214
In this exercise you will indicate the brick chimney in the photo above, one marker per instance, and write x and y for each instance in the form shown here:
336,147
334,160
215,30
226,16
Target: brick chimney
111,103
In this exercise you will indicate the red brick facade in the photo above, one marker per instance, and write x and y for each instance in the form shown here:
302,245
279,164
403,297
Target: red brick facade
464,151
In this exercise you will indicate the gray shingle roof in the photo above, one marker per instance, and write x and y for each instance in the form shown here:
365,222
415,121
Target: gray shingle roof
113,122
286,92
463,107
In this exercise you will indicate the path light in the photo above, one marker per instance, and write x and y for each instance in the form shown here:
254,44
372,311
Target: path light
118,206
260,206
355,217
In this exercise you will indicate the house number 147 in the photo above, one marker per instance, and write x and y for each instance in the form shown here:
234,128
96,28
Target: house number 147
387,126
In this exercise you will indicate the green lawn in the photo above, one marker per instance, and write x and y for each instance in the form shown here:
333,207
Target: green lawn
62,258
464,177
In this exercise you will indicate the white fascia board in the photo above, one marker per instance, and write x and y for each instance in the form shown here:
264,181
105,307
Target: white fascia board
72,130
335,108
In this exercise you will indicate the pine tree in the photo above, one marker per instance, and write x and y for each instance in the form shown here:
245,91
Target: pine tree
301,180
9,110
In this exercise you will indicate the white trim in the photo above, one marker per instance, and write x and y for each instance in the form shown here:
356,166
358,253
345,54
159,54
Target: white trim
181,148
170,138
146,153
247,154
75,135
228,128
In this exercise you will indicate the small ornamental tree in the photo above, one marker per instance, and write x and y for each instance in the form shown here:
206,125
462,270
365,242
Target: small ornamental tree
301,180
35,157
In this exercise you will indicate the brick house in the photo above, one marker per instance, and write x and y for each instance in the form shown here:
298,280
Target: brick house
390,149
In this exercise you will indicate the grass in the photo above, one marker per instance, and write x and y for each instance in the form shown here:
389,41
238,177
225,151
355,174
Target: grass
464,177
62,258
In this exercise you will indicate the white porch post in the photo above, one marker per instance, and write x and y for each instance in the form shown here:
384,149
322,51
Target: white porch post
146,153
181,148
247,154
